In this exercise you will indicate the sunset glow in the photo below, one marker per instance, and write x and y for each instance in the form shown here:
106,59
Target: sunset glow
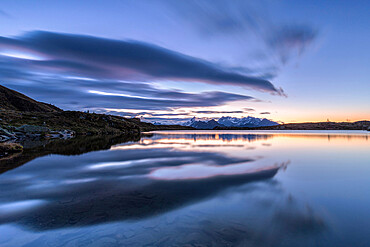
299,64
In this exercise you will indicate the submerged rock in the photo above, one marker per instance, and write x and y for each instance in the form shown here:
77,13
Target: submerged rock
33,129
5,132
63,134
6,135
8,148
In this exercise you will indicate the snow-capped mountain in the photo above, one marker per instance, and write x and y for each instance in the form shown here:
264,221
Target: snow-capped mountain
230,122
245,122
205,124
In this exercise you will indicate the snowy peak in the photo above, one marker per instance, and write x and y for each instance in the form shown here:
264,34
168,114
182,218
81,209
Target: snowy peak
231,122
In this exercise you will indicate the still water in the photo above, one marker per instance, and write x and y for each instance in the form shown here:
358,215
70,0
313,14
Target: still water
190,188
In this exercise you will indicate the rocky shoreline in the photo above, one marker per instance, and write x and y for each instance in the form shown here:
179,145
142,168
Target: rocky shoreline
17,134
11,137
31,149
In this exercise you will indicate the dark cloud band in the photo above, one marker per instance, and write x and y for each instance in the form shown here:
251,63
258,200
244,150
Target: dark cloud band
79,95
128,60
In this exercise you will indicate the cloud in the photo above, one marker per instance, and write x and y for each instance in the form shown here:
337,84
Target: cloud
171,121
247,22
171,117
74,94
5,14
292,38
166,114
151,114
265,113
217,112
103,58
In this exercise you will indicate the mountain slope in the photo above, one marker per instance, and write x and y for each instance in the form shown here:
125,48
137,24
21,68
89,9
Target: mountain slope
11,100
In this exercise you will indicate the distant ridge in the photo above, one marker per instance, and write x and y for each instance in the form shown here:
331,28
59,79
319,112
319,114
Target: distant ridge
231,122
11,100
205,124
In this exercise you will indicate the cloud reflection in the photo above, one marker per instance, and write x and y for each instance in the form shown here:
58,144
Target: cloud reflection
141,185
125,180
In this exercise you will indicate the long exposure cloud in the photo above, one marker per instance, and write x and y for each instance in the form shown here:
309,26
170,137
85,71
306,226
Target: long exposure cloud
4,14
221,44
77,95
246,22
126,60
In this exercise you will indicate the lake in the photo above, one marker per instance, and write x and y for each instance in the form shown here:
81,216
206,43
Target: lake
191,188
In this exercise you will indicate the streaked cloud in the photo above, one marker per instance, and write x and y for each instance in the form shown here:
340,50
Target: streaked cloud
247,22
102,58
289,39
218,112
4,14
76,94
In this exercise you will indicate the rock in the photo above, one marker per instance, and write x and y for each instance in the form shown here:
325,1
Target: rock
5,132
33,129
67,133
64,134
10,148
4,138
6,135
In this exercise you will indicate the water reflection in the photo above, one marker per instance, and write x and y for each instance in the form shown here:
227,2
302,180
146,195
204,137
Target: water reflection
167,189
225,137
76,146
78,190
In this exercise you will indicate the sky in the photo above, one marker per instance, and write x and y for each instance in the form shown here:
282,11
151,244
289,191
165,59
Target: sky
167,61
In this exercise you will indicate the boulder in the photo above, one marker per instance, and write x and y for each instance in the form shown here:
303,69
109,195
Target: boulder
4,138
5,132
10,148
33,129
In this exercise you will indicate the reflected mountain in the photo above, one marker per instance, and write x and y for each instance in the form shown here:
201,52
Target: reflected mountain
213,136
255,136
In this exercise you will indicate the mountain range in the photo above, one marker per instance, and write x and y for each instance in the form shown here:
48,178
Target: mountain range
249,121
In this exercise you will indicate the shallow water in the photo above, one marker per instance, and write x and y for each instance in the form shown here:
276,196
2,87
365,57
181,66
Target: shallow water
193,188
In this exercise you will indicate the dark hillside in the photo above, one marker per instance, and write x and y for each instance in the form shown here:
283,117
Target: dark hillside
18,110
12,100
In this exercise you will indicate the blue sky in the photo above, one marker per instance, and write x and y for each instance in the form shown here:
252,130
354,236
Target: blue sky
297,60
